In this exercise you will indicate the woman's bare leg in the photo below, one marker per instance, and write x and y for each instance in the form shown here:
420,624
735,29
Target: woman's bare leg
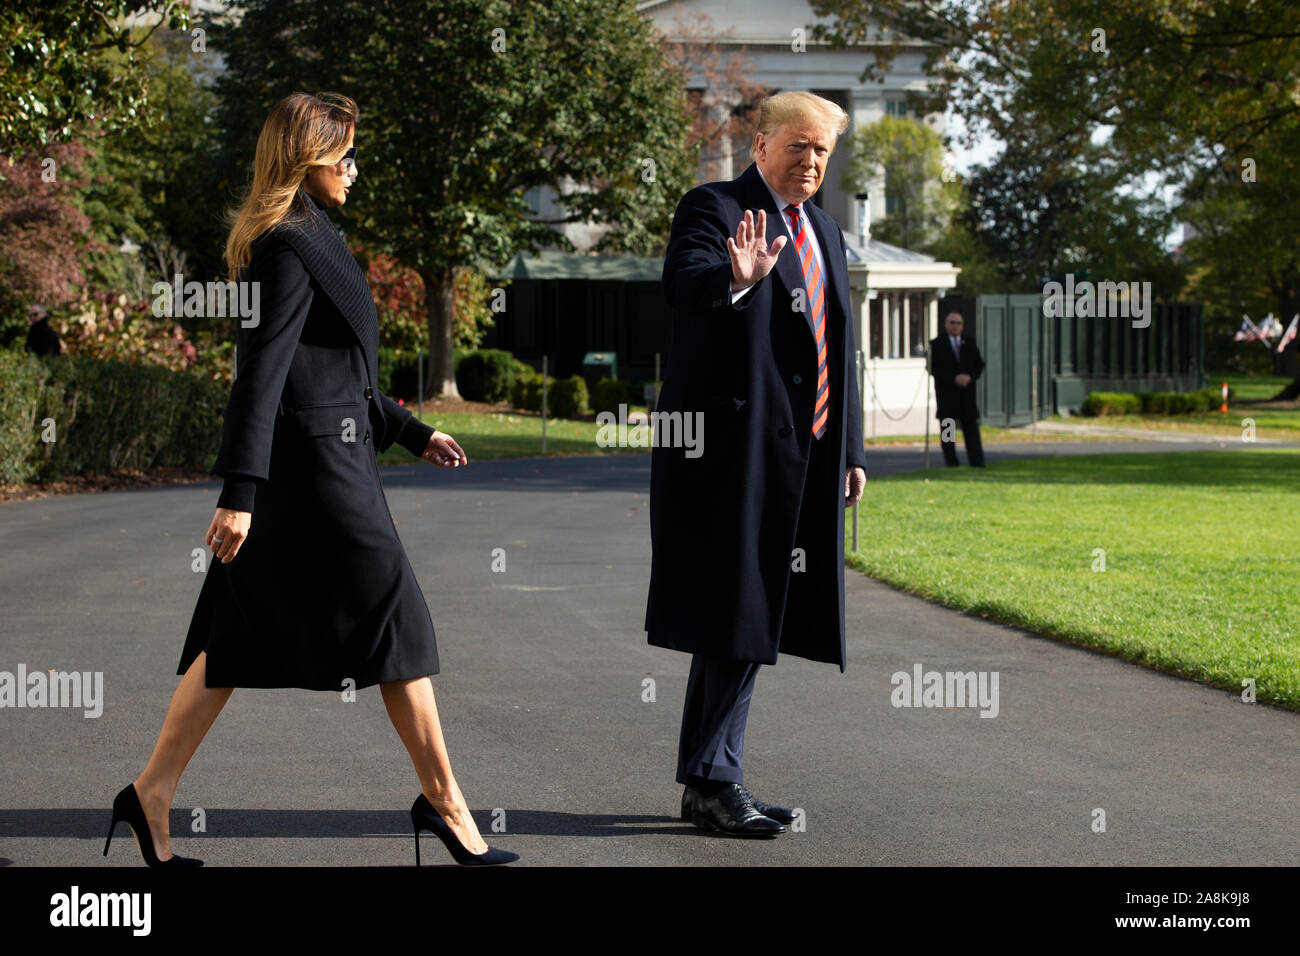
414,713
193,709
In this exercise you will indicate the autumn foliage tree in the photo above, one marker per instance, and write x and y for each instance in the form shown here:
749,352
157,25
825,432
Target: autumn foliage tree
465,106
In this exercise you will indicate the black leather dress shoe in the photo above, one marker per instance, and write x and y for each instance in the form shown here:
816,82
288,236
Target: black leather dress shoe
729,811
769,810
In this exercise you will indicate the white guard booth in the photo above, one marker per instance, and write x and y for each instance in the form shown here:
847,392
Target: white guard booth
895,296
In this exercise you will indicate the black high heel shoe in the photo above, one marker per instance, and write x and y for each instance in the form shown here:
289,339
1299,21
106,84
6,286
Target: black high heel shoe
126,807
425,817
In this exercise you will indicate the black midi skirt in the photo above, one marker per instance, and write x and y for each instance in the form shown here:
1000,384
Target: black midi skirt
321,595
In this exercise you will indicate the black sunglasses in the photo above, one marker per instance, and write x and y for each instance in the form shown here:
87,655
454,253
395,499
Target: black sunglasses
349,161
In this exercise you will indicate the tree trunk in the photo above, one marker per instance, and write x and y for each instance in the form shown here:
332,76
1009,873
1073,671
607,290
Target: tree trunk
439,295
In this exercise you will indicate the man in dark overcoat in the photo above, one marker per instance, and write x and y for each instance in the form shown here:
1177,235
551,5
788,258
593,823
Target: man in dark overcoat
747,528
955,363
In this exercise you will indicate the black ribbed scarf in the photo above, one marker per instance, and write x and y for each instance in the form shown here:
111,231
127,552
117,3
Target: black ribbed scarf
323,251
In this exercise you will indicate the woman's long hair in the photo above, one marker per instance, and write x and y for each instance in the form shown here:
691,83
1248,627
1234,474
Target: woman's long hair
302,131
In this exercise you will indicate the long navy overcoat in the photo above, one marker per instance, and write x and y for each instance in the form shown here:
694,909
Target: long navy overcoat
321,591
723,523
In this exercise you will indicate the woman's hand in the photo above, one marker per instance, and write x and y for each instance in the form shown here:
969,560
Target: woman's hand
444,452
227,533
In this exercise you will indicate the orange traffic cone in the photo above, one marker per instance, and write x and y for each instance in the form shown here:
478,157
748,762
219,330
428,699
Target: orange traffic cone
1224,407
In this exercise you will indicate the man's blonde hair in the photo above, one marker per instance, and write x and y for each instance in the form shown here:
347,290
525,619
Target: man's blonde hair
795,106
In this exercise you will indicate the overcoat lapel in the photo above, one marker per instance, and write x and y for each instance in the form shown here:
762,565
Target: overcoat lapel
327,258
787,268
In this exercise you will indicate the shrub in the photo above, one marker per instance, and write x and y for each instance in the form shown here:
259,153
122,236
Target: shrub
568,398
532,394
1152,403
1110,403
525,376
485,375
106,415
116,415
398,372
608,394
21,377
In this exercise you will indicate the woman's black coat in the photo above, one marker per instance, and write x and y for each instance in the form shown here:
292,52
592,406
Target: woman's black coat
321,590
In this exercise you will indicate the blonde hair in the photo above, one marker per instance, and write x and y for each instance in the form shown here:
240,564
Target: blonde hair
302,131
796,106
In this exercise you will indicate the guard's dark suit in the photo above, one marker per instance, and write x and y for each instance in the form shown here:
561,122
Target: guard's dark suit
952,401
724,525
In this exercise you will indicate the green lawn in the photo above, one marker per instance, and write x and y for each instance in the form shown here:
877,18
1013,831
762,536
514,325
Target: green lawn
1200,555
1255,388
510,435
991,433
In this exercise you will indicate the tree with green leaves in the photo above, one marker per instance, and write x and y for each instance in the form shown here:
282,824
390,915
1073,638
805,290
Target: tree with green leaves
1038,213
157,183
68,64
910,156
1192,95
466,105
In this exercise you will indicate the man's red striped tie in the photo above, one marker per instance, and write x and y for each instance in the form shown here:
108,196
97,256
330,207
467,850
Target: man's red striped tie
812,280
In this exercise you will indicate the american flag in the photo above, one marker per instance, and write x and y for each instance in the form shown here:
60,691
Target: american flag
1290,332
1248,332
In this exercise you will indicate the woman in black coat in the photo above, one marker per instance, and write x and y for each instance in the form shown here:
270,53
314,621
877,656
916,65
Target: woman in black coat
312,588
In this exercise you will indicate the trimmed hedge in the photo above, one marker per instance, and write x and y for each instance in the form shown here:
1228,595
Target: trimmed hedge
21,377
1152,403
485,375
104,415
1110,403
565,398
608,394
526,392
398,372
568,398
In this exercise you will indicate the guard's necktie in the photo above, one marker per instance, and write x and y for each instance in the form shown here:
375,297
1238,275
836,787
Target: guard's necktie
812,280
956,349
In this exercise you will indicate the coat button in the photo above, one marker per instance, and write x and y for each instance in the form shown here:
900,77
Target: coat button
798,380
366,440
369,392
785,430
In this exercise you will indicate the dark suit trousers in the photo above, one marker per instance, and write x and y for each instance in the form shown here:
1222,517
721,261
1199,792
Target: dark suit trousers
970,434
718,692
